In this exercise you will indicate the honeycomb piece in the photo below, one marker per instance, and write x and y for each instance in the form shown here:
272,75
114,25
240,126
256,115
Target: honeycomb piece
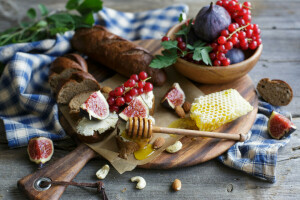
213,110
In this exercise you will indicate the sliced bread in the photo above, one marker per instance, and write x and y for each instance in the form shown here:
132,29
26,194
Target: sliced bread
77,83
275,92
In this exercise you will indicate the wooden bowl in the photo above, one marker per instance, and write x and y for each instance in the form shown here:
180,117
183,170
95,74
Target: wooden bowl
212,74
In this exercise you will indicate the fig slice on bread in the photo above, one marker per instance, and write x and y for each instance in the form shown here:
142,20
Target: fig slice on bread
95,107
174,97
136,108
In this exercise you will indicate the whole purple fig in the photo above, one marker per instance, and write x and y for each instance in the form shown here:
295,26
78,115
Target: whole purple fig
235,55
210,21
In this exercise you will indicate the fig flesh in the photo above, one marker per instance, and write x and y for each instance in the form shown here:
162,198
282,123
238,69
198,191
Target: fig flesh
174,97
136,108
210,21
40,150
280,126
235,55
95,107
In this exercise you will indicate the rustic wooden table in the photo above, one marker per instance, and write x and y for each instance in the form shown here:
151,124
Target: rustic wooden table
211,180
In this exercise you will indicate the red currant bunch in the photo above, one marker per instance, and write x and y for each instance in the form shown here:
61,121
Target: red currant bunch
136,85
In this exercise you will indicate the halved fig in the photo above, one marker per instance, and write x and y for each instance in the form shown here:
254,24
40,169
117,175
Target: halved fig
95,107
280,126
40,150
174,97
136,108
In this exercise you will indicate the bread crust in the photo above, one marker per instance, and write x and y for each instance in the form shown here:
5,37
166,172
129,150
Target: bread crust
116,53
276,92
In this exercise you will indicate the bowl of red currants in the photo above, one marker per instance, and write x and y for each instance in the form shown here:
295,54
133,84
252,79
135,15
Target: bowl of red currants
219,46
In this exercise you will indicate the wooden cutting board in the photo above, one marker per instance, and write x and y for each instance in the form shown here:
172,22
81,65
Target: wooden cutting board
196,151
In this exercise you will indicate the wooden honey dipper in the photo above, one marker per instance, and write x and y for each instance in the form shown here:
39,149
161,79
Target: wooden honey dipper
138,127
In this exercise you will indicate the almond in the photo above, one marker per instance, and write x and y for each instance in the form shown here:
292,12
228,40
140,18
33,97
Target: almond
159,142
176,185
180,112
106,89
186,106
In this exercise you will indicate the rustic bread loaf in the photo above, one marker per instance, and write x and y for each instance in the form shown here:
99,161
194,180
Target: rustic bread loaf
77,83
276,92
77,100
116,53
62,68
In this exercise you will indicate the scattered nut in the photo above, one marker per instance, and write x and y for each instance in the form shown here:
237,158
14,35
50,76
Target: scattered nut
159,142
174,147
176,185
124,190
106,89
180,112
102,173
187,106
141,183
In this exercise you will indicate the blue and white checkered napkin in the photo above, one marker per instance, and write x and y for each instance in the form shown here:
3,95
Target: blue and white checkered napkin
26,105
258,154
28,110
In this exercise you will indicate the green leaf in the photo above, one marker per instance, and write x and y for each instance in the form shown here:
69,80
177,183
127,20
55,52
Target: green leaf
60,23
205,56
169,44
180,18
25,24
197,54
199,43
190,47
44,11
31,13
73,4
42,23
181,32
89,6
168,58
88,18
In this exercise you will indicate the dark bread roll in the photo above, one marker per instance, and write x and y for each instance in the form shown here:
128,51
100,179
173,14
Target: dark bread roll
275,92
116,53
63,67
77,83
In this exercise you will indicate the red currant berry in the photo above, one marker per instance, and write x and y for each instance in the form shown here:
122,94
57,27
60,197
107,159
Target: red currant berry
181,45
228,45
165,38
134,77
131,83
221,56
111,93
120,101
255,27
245,46
119,91
243,12
114,108
241,35
222,40
249,27
231,5
241,22
225,33
140,91
133,92
214,46
111,101
253,45
219,3
148,87
128,98
234,15
247,4
231,28
143,75
225,3
256,32
179,39
212,55
234,40
238,7
226,62
247,18
258,41
243,42
217,63
249,33
141,84
221,48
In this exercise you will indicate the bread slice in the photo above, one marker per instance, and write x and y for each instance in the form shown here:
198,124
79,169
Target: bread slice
63,67
275,92
77,83
77,100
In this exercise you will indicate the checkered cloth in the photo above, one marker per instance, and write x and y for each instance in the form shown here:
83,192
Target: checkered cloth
28,110
258,154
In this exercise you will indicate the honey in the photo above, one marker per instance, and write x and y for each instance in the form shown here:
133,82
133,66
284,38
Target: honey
213,110
144,153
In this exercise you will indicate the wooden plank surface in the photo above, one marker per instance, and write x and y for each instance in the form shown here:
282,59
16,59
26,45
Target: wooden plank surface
280,25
